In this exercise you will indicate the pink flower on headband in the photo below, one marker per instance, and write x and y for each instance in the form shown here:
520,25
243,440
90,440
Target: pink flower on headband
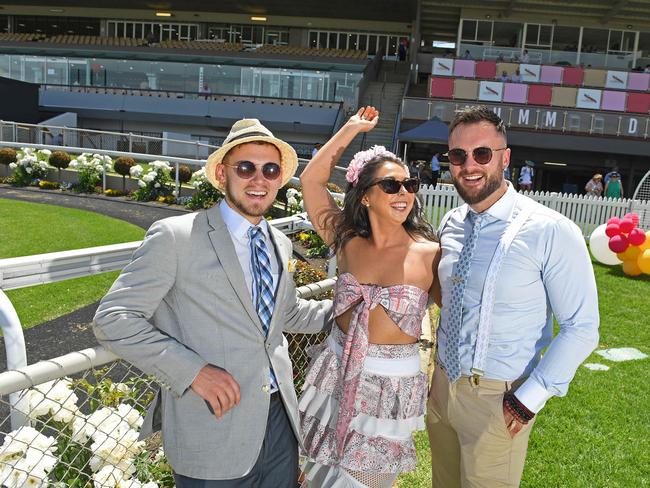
362,158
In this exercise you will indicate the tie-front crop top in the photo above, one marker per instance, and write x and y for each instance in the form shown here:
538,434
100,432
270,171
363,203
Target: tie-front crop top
404,304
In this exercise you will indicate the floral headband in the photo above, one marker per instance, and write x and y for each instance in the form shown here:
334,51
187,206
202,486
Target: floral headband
362,158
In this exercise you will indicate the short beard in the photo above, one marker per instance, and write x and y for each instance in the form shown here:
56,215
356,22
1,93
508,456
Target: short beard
493,183
246,211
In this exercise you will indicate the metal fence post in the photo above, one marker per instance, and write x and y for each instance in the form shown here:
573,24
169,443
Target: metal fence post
130,142
103,173
177,183
14,349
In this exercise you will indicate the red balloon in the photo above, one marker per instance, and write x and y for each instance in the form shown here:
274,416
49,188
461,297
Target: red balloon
612,230
636,237
614,220
626,226
633,217
618,243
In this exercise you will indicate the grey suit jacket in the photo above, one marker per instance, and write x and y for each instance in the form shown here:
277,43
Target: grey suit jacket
182,303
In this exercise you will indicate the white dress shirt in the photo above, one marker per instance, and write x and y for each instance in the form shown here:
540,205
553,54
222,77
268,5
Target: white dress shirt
547,272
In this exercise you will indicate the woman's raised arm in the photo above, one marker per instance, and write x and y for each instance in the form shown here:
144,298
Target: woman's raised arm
318,202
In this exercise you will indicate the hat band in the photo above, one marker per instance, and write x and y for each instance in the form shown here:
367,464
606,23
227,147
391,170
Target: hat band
248,134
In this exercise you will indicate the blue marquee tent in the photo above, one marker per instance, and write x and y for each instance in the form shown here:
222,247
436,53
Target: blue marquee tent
432,131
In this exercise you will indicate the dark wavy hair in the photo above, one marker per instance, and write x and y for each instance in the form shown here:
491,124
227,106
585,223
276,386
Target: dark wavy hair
353,220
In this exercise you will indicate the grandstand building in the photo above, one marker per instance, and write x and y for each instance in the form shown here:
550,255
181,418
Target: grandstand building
571,79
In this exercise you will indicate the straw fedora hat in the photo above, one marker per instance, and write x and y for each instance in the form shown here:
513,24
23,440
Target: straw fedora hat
251,130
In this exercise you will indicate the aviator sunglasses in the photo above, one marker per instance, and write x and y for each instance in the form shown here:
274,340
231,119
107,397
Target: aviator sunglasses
390,186
246,170
482,155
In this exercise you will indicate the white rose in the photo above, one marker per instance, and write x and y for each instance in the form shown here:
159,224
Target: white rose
13,165
141,184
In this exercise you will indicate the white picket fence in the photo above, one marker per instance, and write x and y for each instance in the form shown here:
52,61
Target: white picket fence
586,211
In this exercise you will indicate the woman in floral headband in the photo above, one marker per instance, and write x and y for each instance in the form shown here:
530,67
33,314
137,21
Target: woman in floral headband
364,393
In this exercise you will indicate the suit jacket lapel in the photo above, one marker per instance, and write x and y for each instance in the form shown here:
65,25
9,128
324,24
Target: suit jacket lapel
225,249
281,253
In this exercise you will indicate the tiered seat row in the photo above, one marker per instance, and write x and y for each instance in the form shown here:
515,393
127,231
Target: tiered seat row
540,94
95,40
535,73
308,51
8,36
202,45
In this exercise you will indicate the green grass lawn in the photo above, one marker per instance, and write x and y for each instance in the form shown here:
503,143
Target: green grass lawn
598,436
31,228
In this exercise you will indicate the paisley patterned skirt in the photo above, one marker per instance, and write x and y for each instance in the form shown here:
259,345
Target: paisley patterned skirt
390,406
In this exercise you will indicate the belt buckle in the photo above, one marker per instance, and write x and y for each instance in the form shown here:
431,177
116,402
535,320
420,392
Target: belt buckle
475,379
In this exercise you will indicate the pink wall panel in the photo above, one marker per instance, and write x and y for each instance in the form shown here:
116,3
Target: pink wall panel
515,92
442,87
638,81
613,100
551,74
464,68
539,94
573,76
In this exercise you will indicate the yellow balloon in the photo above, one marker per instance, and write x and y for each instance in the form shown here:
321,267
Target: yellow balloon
644,261
631,268
646,243
630,254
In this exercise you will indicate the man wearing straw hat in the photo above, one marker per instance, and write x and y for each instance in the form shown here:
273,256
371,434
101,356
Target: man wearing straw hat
202,307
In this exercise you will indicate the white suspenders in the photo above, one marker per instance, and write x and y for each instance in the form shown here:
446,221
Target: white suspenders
489,286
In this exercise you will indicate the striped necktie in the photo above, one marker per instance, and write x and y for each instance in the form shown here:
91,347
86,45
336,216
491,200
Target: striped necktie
263,292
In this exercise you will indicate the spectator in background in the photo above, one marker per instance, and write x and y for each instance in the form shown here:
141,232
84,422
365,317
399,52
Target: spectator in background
435,168
500,58
525,58
401,50
150,38
315,149
467,54
516,78
58,140
504,76
614,187
594,186
647,68
445,176
609,175
205,91
526,176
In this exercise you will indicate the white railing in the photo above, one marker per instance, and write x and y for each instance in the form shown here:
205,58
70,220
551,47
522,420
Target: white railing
585,211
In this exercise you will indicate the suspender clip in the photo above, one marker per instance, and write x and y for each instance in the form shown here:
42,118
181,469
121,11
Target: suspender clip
476,376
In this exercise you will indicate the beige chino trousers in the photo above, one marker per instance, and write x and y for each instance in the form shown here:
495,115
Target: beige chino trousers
470,444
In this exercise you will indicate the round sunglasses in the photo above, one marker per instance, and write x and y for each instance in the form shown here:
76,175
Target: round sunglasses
482,155
391,186
246,170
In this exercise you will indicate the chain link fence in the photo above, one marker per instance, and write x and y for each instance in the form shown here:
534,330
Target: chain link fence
83,430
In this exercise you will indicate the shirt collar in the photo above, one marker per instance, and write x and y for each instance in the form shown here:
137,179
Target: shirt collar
238,225
501,209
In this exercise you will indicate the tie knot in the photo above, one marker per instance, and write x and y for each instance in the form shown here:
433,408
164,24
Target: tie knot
254,233
475,218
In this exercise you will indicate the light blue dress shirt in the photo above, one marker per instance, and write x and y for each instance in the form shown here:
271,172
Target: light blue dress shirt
238,227
546,272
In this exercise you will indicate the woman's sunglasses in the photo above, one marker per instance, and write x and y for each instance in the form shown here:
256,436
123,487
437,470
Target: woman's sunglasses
482,155
246,170
390,186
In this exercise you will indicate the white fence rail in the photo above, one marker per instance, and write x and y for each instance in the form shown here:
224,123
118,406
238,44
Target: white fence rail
587,212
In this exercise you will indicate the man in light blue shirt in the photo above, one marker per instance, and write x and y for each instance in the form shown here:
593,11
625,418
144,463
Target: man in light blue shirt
491,378
435,169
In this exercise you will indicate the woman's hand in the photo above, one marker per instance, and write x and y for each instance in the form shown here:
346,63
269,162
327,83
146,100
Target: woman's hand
365,119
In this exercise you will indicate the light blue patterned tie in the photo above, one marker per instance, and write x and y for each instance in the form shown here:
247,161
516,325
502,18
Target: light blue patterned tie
262,282
459,280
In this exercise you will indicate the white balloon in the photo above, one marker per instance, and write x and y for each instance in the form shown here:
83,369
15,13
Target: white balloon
599,245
